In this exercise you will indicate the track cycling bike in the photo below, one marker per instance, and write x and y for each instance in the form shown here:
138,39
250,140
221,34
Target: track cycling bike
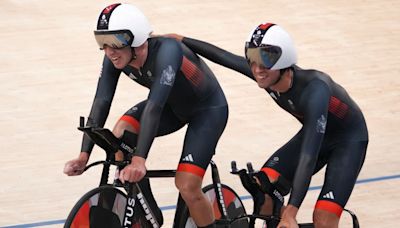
112,205
258,185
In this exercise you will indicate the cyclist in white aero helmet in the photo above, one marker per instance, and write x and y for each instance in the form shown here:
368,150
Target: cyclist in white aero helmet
125,26
182,92
333,134
273,49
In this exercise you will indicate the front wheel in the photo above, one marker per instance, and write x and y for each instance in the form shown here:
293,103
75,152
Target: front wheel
234,209
102,207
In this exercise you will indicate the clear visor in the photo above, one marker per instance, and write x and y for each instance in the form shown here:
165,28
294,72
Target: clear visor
266,56
114,39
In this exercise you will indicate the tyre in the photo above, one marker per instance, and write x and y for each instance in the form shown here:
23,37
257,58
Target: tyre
234,208
102,207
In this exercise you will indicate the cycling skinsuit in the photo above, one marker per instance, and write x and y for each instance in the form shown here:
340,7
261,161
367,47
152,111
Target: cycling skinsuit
183,90
333,133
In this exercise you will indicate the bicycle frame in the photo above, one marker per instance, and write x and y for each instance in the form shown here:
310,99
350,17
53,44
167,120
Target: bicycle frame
257,192
107,141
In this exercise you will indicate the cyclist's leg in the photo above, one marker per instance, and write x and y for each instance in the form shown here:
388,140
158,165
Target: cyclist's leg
344,164
130,122
128,127
282,164
203,133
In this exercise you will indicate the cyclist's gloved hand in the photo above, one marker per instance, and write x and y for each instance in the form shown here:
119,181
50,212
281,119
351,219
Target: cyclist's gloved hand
133,172
76,166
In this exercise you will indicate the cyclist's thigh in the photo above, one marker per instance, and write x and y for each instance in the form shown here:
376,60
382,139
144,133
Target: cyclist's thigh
168,121
285,160
202,135
344,164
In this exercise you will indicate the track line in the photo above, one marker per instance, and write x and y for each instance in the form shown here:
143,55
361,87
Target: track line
172,207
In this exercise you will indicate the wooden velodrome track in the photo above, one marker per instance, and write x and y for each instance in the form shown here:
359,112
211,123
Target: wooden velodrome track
50,64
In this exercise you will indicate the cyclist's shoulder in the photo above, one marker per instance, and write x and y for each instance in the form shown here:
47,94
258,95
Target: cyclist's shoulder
309,74
160,43
308,82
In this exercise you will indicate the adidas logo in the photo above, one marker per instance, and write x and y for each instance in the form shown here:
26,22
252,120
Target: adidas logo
329,195
188,158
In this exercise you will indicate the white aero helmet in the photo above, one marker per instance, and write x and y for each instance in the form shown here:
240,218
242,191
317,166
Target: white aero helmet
270,46
120,25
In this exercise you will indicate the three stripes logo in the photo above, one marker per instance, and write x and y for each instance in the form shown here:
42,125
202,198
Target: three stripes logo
329,195
188,158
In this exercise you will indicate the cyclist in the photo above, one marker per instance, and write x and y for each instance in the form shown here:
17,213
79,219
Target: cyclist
183,91
333,133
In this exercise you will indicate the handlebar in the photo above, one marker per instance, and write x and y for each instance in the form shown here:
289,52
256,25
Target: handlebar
105,139
249,179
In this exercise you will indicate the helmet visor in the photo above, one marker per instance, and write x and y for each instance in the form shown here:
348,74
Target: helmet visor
266,56
113,39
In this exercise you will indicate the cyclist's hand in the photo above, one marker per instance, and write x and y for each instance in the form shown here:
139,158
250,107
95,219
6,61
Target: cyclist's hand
75,167
288,219
133,172
288,223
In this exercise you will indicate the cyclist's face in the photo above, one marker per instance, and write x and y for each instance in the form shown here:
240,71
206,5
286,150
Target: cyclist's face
264,77
120,57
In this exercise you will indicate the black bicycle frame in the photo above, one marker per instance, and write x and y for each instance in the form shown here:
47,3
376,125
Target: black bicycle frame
106,140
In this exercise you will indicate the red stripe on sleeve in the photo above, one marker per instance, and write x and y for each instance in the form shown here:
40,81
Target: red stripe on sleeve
191,72
338,108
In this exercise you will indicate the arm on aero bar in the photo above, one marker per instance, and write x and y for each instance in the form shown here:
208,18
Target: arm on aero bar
258,189
105,138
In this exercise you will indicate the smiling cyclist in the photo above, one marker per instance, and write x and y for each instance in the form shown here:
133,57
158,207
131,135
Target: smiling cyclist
333,132
182,92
